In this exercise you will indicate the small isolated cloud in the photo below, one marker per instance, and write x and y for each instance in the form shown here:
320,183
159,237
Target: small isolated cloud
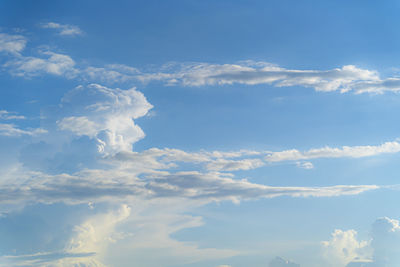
305,165
281,262
12,44
63,29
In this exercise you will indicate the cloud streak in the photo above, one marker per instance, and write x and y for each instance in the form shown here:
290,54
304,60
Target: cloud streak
63,29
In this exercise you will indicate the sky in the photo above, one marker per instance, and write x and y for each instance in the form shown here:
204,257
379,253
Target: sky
199,133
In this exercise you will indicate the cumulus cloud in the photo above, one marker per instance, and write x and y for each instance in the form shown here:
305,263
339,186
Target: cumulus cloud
51,63
382,249
12,44
63,29
106,115
344,248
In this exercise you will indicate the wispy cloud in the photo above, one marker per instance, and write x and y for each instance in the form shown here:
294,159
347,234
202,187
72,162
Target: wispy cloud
11,130
330,152
63,29
12,43
7,115
51,63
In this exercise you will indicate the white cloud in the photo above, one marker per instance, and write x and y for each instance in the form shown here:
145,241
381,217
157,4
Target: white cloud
344,248
64,29
346,78
305,165
251,73
12,44
112,73
6,115
383,249
51,63
115,185
234,165
329,152
106,115
11,130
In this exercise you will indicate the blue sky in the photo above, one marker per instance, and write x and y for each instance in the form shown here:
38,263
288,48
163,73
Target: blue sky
199,133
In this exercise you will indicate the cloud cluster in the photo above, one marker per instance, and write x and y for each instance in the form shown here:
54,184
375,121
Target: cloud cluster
343,79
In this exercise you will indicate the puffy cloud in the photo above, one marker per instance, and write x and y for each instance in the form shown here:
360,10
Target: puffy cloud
344,248
383,249
305,165
12,44
280,262
329,152
51,63
63,29
106,115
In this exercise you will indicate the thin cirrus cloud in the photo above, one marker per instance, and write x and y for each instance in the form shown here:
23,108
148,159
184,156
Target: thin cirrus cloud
63,29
